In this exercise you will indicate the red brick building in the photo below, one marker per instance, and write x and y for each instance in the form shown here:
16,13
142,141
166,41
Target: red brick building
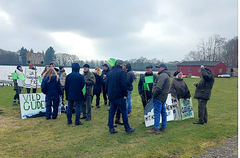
194,67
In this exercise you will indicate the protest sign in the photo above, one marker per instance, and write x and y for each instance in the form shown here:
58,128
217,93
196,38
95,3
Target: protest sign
32,78
84,90
35,58
186,108
148,79
149,112
177,113
146,87
32,105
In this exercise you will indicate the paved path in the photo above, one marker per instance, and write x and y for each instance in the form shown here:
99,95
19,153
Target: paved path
227,149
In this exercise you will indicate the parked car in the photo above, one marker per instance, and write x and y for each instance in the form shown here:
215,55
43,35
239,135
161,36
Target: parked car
224,76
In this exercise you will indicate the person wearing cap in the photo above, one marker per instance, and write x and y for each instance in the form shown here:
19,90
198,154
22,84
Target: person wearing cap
90,81
62,76
18,84
179,88
105,73
130,79
73,89
203,93
146,95
117,94
160,92
32,71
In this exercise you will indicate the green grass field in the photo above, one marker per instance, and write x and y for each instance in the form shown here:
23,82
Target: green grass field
38,137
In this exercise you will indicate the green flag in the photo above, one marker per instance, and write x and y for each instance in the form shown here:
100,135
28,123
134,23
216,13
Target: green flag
14,76
84,90
110,63
146,87
40,79
21,77
148,79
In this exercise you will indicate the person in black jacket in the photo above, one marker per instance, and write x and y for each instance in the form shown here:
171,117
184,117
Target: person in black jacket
130,79
203,93
73,89
117,93
52,88
105,73
98,85
179,88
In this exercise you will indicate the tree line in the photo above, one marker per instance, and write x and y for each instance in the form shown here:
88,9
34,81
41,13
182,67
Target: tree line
216,48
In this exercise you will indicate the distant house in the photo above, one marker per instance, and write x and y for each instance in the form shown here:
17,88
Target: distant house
193,67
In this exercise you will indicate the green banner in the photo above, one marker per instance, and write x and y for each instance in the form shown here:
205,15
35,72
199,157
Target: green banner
40,79
14,76
84,90
112,61
21,77
146,87
148,79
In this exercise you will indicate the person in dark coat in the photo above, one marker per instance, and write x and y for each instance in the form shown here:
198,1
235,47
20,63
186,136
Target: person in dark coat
160,92
105,73
97,90
179,88
52,88
130,79
117,94
203,93
73,89
146,95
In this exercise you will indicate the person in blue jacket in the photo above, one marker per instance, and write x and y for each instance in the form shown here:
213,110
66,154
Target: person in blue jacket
52,88
117,94
74,84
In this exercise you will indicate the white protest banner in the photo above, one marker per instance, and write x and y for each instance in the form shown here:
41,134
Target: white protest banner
177,113
32,78
32,105
149,112
186,108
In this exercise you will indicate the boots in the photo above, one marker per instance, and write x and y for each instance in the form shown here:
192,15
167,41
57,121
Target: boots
14,102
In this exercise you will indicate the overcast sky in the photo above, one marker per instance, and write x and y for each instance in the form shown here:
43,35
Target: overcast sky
122,29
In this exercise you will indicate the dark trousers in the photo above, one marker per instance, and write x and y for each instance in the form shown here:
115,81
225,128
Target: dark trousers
63,94
52,101
97,99
34,90
118,115
77,112
104,93
144,101
18,91
86,108
121,105
202,110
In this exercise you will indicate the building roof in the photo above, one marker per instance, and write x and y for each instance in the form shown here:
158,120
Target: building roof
199,63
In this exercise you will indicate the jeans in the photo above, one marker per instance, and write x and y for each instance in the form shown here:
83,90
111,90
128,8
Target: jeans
77,112
129,104
52,101
159,108
87,107
121,105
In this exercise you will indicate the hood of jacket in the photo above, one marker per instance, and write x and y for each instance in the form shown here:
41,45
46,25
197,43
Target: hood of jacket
165,71
75,67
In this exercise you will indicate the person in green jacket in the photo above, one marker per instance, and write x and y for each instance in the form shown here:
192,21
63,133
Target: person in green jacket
203,93
90,81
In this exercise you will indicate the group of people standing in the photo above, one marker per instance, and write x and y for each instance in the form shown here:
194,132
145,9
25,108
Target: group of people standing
117,85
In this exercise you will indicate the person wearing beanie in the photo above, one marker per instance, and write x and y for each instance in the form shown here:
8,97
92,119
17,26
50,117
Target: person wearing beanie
203,93
90,81
105,73
160,92
117,94
179,88
130,79
74,94
18,84
146,94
